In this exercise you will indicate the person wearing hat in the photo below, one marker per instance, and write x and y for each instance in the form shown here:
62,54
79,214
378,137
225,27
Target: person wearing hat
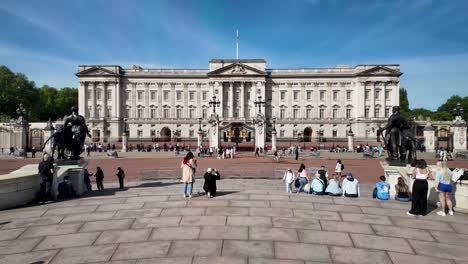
121,175
351,186
211,176
289,178
99,178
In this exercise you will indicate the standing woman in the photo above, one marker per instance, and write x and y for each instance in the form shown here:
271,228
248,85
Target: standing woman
188,173
303,179
339,167
420,188
443,186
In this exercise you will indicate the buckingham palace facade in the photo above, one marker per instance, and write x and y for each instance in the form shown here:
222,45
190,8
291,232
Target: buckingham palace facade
166,104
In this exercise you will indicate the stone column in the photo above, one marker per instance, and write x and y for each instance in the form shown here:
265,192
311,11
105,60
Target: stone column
124,142
231,99
429,137
214,136
48,131
372,95
273,140
350,141
242,102
83,99
134,101
93,98
199,137
459,134
146,113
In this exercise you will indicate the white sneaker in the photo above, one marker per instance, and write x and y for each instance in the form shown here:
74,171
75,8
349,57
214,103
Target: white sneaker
441,213
408,213
190,196
451,212
208,194
185,196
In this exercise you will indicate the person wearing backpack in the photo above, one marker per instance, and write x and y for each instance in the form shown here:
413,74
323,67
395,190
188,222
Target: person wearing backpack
121,175
317,186
339,167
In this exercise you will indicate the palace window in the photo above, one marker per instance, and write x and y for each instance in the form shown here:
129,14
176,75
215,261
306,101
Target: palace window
366,95
153,113
282,113
283,95
166,95
140,113
204,113
178,95
90,94
335,95
191,133
335,113
377,94
191,96
109,95
166,113
348,95
387,95
248,96
153,95
387,112
204,95
366,112
334,133
127,113
88,112
140,95
308,113
191,113
377,112
98,94
295,111
128,95
322,113
140,133
322,95
309,95
153,133
109,111
281,133
296,95
179,113
348,113
98,112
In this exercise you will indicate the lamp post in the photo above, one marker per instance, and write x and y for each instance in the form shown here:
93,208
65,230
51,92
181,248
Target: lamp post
259,103
350,136
458,111
214,103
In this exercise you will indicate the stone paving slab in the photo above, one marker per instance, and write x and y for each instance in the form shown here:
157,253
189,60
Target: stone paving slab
245,224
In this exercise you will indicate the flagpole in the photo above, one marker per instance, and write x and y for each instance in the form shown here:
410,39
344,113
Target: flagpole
237,44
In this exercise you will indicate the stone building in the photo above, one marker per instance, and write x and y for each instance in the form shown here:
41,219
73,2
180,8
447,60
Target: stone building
308,104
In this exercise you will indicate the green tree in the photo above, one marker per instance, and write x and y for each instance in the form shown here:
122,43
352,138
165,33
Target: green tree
66,98
404,103
450,104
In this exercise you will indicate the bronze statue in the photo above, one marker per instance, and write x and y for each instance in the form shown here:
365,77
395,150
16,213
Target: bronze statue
71,137
398,137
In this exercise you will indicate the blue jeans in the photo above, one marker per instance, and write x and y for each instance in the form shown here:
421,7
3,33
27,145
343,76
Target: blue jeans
302,183
402,199
190,186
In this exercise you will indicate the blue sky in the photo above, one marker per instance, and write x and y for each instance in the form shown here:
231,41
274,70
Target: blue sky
47,39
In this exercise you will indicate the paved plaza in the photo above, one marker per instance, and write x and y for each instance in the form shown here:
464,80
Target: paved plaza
251,221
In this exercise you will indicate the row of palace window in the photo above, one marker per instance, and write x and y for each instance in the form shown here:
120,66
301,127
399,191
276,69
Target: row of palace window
335,95
377,94
192,113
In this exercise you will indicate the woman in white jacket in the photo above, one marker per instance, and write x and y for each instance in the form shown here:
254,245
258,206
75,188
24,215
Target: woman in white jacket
339,167
289,178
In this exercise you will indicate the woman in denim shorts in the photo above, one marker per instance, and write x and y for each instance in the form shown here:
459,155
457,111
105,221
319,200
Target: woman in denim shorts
443,185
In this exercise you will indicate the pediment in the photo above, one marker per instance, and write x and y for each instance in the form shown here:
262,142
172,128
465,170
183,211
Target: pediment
237,69
380,70
96,71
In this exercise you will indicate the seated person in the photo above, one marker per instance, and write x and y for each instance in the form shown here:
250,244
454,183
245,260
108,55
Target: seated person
381,189
333,187
402,191
350,186
65,189
211,176
317,186
323,175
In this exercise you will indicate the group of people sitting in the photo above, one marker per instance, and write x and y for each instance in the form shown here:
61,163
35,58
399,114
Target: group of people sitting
321,184
382,190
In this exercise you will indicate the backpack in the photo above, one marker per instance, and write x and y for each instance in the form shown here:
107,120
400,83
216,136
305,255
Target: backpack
342,166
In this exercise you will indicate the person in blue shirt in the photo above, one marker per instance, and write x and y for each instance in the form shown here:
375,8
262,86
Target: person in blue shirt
382,189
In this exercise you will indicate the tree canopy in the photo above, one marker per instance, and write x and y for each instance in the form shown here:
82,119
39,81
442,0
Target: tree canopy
443,113
40,103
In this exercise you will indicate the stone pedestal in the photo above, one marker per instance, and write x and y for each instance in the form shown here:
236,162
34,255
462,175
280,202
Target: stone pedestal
124,142
350,143
459,134
47,133
21,130
74,170
200,137
214,136
429,138
260,130
273,140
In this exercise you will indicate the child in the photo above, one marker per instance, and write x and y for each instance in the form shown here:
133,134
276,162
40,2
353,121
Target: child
289,178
